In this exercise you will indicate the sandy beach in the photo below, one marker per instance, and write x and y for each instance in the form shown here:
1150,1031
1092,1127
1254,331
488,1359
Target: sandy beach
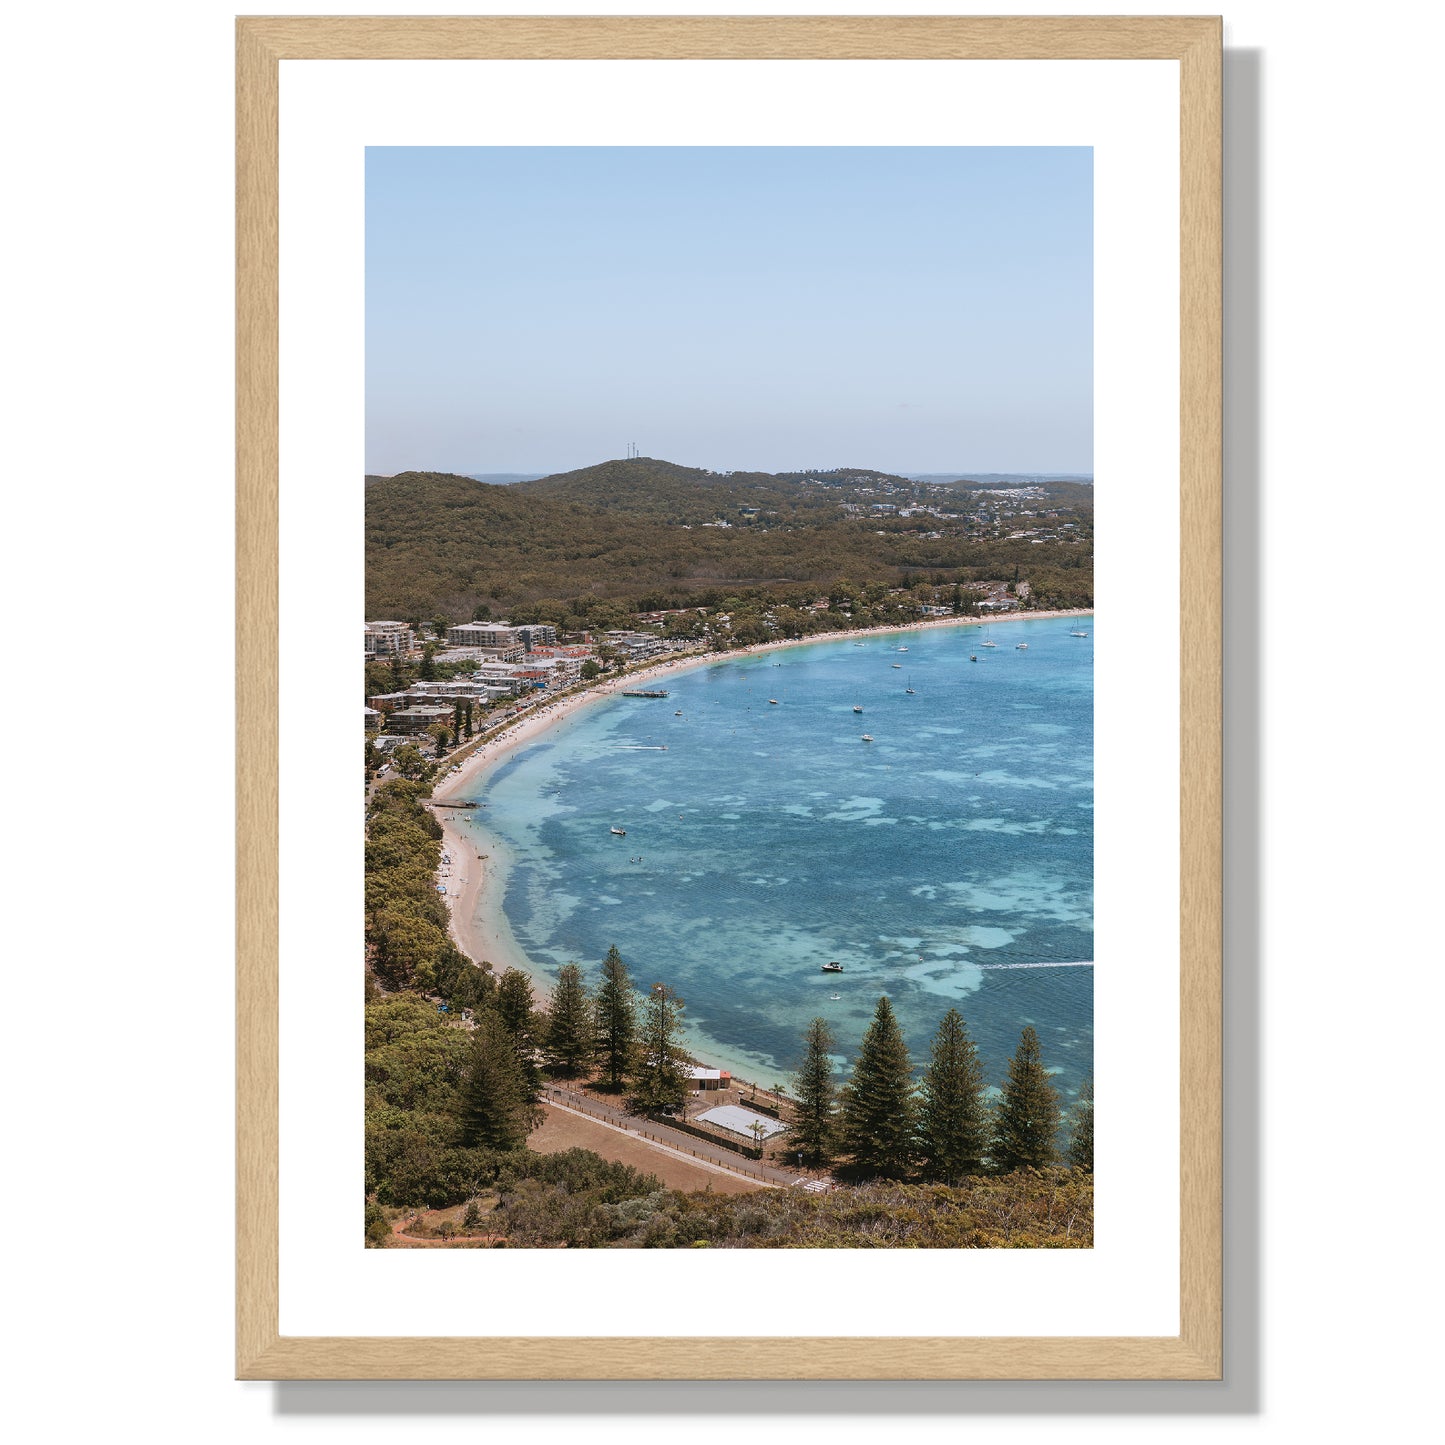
476,880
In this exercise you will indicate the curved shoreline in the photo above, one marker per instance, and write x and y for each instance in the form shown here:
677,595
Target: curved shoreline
479,923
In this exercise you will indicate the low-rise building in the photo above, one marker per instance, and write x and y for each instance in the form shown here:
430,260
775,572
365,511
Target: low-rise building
536,634
413,720
500,675
550,671
483,634
389,639
635,645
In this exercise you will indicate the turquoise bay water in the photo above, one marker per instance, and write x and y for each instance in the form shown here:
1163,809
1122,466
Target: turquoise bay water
767,840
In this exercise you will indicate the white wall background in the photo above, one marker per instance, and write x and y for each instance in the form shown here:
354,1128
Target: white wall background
117,1050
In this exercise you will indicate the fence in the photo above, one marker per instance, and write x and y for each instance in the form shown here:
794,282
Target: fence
711,1138
584,1105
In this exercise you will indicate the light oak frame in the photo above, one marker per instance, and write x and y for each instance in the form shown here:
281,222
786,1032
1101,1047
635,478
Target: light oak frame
261,1351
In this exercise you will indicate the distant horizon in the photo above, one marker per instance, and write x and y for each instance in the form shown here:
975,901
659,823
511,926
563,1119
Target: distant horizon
477,473
729,304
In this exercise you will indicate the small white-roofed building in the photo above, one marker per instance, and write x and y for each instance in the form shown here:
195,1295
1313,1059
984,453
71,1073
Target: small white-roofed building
746,1123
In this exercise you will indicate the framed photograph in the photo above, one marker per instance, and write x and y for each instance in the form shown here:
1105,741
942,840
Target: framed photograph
772,469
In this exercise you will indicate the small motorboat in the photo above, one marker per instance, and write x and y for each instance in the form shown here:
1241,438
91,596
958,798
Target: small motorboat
834,967
867,738
772,702
857,708
897,664
1021,647
835,996
1078,634
619,832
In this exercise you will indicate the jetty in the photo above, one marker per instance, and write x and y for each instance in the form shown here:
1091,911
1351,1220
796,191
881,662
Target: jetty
644,692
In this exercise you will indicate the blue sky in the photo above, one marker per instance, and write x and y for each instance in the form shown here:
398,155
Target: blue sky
757,308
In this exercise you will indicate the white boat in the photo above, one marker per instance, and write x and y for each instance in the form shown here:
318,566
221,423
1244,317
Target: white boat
832,968
866,738
857,708
987,643
619,832
909,689
897,664
772,702
1021,647
835,996
903,649
1078,634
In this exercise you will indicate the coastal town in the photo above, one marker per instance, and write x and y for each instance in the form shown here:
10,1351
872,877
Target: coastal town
500,670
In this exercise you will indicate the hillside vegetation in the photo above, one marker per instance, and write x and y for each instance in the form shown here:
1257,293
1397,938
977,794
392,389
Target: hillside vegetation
642,532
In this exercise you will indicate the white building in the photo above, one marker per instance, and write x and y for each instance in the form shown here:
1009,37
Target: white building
388,639
483,634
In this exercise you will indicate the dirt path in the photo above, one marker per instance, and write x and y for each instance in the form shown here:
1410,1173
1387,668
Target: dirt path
414,1241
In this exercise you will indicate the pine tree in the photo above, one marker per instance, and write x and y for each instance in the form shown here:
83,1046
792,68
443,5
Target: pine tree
1081,1129
815,1123
952,1123
615,1010
1026,1121
517,1010
569,1024
878,1105
496,1110
658,1080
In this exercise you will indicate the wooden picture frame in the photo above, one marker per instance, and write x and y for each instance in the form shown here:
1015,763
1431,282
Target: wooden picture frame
262,1352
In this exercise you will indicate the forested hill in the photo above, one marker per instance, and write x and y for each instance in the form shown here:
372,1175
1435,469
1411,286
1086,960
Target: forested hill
646,487
647,532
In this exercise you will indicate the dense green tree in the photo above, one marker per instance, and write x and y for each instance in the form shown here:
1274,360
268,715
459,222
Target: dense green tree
496,1110
410,762
658,1077
879,1110
516,1006
815,1123
1026,1121
428,671
1081,1129
952,1119
590,671
442,735
570,1035
615,1009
